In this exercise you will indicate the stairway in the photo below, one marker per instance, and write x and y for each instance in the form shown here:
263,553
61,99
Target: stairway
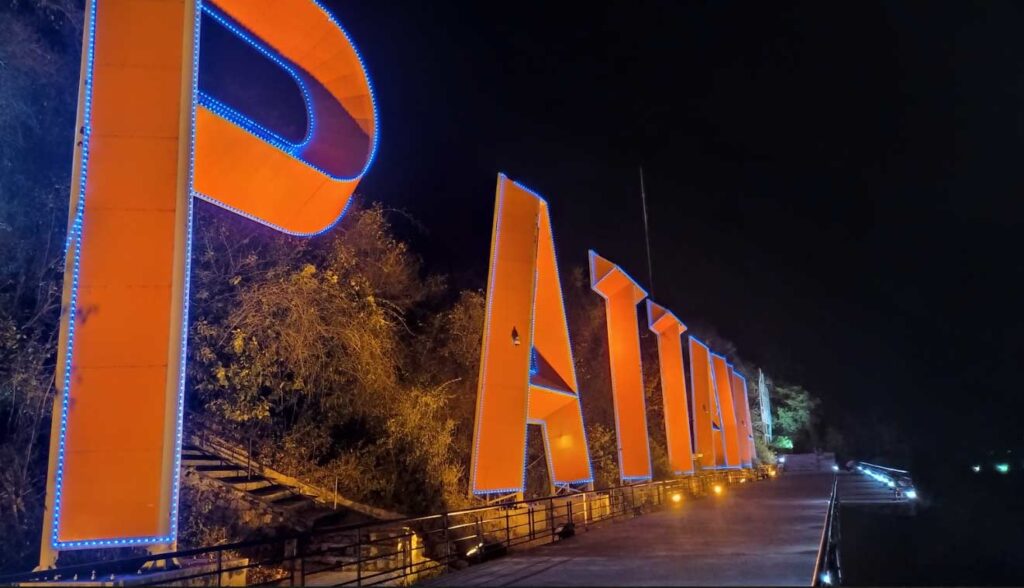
296,506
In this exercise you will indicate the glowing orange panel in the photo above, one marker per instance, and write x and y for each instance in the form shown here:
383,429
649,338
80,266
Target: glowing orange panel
115,426
723,388
706,422
742,406
673,386
621,295
527,373
116,437
299,189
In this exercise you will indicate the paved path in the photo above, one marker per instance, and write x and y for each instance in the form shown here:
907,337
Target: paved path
762,533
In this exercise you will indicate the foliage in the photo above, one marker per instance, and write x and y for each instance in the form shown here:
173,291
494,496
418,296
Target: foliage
795,417
309,349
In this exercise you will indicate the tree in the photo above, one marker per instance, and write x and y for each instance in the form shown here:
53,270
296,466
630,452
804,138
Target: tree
795,417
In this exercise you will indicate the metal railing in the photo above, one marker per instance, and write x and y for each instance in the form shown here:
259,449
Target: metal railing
900,481
404,550
827,570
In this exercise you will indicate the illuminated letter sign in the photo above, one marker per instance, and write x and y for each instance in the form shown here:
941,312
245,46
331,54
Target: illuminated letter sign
744,428
673,386
149,141
526,367
621,295
723,390
706,420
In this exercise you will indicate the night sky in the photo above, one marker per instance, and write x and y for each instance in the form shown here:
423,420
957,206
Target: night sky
835,186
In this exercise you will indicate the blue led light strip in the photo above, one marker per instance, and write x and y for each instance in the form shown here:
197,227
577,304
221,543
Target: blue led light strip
228,113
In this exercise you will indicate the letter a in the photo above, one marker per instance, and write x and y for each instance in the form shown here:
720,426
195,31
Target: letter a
527,374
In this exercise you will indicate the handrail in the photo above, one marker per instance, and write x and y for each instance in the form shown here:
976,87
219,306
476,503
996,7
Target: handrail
822,572
449,534
878,467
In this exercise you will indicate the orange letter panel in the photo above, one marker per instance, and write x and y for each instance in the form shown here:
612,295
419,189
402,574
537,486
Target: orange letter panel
673,386
742,405
527,373
706,420
302,189
621,295
723,388
115,446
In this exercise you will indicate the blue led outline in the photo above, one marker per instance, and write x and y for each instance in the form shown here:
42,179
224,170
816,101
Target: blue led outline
232,115
375,143
607,314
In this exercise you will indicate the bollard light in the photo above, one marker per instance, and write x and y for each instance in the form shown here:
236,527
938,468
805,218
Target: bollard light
677,498
717,488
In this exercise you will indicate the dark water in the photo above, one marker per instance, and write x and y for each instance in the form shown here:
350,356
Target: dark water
968,531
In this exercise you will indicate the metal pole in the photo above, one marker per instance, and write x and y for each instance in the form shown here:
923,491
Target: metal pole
359,557
647,232
551,517
335,492
447,544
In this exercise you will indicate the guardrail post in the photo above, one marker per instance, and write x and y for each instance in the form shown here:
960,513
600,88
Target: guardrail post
220,568
551,517
359,557
586,509
447,542
569,515
508,530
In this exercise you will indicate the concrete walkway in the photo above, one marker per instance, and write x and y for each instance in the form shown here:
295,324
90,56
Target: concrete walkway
761,533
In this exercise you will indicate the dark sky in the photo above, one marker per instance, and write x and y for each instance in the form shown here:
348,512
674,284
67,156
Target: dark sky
835,186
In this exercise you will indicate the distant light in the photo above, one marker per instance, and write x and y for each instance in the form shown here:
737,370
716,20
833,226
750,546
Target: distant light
826,578
860,469
976,468
782,459
835,468
1002,468
677,497
472,550
718,489
911,494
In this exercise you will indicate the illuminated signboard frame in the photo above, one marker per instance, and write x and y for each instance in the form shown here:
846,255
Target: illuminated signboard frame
527,372
117,23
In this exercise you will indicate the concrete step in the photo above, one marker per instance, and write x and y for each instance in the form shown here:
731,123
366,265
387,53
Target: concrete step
293,501
244,483
219,470
191,462
271,492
